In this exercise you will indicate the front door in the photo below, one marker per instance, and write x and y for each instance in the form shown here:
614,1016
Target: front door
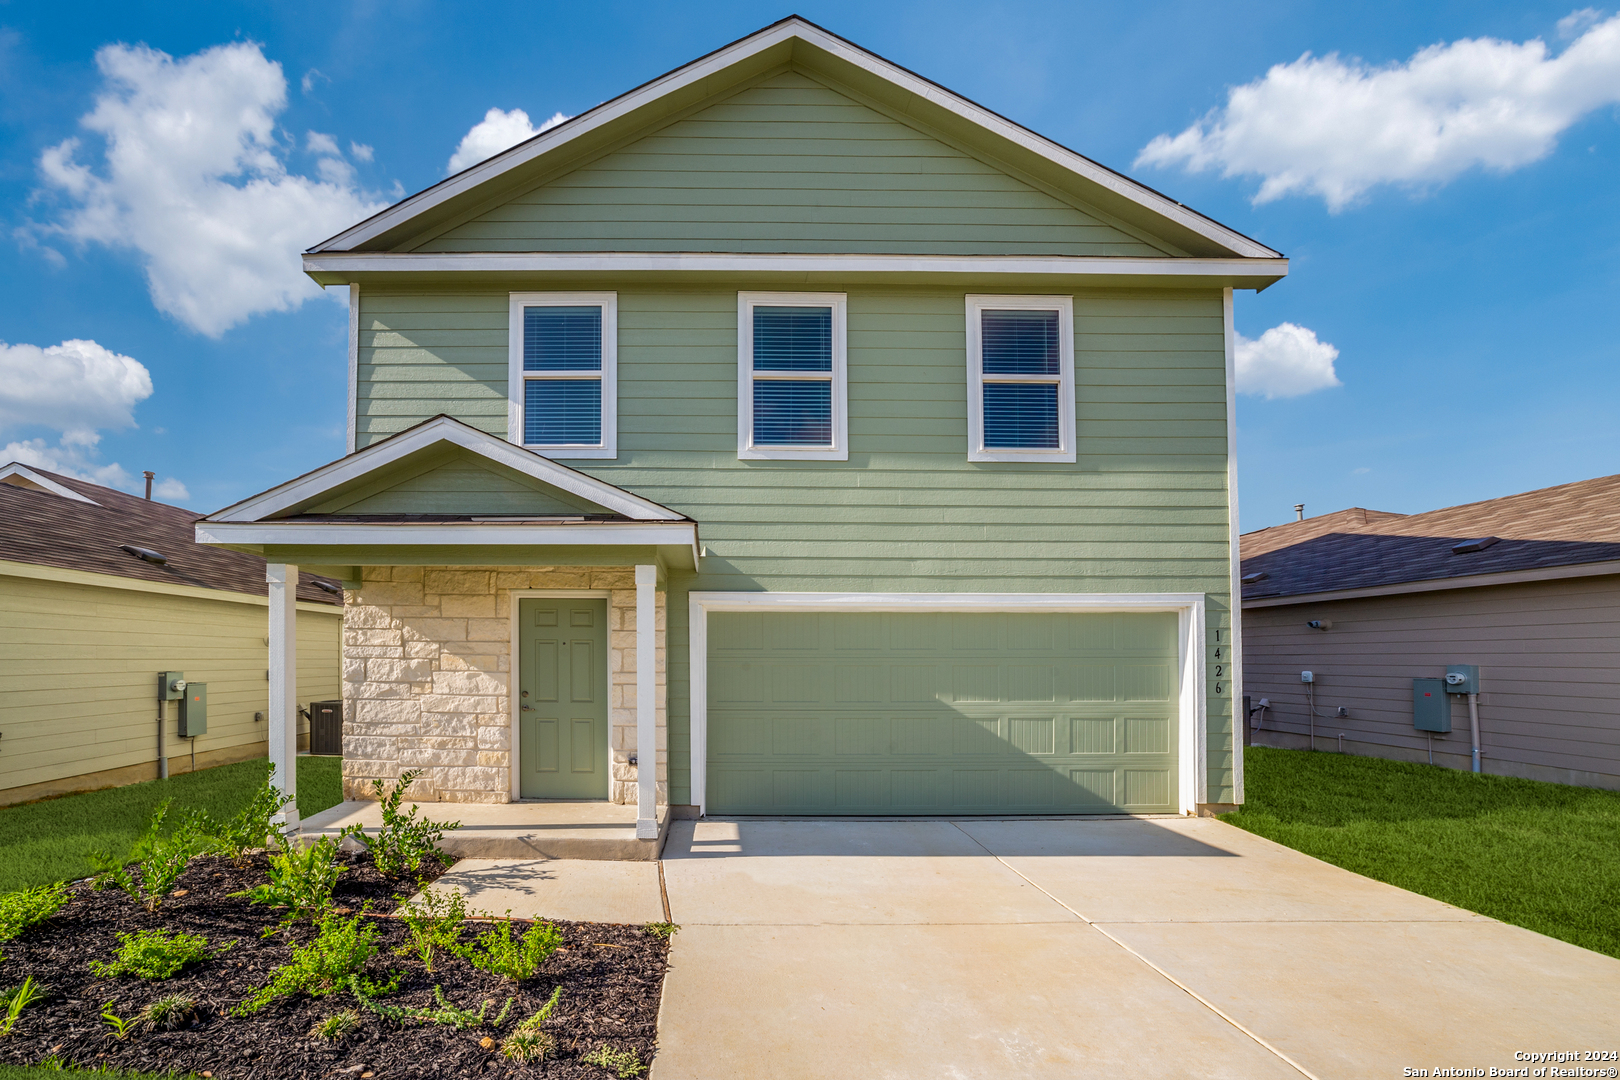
562,699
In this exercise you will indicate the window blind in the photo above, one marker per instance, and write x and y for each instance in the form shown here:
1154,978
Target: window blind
562,339
1021,343
792,413
792,339
562,411
1020,416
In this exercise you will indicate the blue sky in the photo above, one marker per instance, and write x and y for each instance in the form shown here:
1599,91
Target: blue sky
1465,273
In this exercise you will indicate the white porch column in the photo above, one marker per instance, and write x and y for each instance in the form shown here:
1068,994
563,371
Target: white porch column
283,715
646,703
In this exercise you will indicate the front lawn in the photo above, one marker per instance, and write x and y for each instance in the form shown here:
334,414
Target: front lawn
1542,856
47,841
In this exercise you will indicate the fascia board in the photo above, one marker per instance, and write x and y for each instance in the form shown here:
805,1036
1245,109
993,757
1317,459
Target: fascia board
472,534
900,602
61,575
792,32
17,468
442,429
1472,581
1237,273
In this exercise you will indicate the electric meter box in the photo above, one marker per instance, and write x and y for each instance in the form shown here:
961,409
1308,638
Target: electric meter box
1468,684
1431,708
166,681
194,710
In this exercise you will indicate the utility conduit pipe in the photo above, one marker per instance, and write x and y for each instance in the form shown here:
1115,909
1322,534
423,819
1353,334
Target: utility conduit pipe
1473,722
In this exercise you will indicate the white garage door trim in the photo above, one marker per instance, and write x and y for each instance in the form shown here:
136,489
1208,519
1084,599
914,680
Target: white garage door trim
1192,738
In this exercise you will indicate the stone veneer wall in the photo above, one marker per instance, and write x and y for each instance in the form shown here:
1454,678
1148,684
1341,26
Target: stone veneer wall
427,659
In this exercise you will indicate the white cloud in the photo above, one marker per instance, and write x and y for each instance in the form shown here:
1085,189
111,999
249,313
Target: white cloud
1285,361
170,490
360,151
1335,128
193,178
76,388
1575,23
497,131
311,77
317,143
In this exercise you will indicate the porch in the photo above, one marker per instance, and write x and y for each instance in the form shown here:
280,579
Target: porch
590,831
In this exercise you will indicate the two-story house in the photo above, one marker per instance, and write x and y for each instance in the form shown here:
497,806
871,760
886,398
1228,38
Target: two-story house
788,435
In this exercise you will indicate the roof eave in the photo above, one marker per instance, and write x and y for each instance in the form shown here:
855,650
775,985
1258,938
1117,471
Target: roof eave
1471,581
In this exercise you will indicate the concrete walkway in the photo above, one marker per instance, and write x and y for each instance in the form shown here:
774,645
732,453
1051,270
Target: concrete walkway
1110,948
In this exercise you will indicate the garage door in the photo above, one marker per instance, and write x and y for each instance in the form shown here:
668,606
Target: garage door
941,713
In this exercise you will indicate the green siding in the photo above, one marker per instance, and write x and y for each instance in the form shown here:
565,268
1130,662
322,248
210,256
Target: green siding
1143,509
942,713
793,165
463,484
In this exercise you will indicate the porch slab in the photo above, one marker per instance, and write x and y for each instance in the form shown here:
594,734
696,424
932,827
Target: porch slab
572,889
592,831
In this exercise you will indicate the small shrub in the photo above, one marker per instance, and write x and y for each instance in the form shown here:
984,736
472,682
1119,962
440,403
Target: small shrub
336,1026
434,923
331,961
301,880
404,840
529,1041
626,1063
29,907
251,828
16,1000
662,930
497,953
443,1013
154,954
157,860
122,1027
171,1012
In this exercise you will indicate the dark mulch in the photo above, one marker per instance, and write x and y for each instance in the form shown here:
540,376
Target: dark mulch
610,994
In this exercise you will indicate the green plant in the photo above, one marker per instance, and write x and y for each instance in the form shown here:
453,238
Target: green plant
331,960
662,930
499,954
123,1028
154,954
169,1012
16,1000
157,860
529,1041
301,879
626,1063
434,923
29,907
250,828
404,839
444,1013
336,1026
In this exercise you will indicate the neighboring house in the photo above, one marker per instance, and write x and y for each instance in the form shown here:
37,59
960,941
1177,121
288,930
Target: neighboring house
87,623
796,425
1526,587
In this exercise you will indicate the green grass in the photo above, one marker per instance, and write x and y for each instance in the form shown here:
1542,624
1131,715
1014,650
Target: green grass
1542,856
46,841
38,1072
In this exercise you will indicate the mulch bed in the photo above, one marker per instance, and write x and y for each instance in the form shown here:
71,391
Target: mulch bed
612,977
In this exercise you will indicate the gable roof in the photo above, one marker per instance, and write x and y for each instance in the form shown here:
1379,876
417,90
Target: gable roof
1554,531
73,524
801,43
309,490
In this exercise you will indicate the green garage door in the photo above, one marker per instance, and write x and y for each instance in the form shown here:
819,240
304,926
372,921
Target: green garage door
941,713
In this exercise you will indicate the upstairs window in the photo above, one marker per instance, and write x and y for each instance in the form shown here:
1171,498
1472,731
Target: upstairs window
563,393
1020,378
790,376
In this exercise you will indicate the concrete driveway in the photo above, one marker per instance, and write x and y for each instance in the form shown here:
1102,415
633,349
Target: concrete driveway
1109,948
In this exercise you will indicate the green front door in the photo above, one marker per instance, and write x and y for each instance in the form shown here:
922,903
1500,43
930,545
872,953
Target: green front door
562,699
942,713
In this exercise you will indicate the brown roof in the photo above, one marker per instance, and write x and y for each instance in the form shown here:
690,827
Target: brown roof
47,529
1567,525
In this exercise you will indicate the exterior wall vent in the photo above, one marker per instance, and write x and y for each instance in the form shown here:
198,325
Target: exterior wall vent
1470,546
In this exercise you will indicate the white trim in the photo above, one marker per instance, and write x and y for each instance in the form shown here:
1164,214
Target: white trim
1192,737
1471,581
646,702
476,534
838,377
17,468
282,638
354,365
1234,652
442,429
1254,273
1064,306
513,596
61,575
608,375
787,31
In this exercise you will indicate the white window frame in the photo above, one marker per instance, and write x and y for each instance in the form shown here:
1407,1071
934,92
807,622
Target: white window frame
516,376
1064,306
746,450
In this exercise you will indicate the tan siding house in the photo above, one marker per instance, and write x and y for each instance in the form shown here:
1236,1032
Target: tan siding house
1526,587
85,627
